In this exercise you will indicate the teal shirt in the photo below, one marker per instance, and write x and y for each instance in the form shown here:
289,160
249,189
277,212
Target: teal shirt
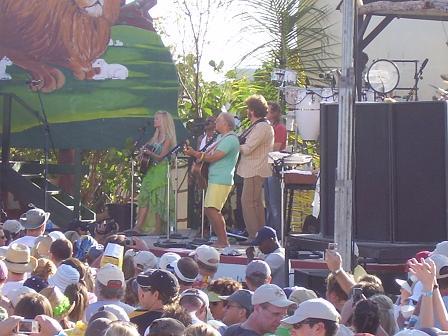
221,171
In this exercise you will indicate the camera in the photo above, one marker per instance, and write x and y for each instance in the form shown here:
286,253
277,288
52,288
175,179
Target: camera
356,295
27,326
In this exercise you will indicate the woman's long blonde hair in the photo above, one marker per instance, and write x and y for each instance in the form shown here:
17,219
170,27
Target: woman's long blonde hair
166,129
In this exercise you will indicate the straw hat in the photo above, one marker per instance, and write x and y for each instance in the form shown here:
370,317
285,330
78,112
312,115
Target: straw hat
18,259
59,302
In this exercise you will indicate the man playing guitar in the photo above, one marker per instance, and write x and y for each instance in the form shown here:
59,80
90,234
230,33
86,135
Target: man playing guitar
222,157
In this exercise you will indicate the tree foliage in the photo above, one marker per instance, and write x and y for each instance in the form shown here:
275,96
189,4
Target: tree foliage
297,35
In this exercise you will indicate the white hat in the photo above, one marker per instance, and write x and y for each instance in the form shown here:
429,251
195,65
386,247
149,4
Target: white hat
146,259
440,261
270,293
196,293
404,285
55,235
65,275
441,248
316,309
110,276
207,255
167,258
16,294
12,226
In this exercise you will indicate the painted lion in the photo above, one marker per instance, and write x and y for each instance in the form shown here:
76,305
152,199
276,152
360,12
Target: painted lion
37,35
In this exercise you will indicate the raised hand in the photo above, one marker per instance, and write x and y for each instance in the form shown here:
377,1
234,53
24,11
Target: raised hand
425,271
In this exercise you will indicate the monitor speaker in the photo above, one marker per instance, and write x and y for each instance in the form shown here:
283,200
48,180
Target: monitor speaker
399,171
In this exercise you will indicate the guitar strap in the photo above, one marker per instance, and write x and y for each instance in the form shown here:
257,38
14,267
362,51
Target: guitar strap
213,146
246,133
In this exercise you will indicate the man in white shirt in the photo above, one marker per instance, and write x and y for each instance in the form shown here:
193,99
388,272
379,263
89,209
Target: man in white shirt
34,222
19,261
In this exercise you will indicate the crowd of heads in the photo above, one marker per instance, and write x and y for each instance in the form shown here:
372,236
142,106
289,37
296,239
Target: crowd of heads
95,281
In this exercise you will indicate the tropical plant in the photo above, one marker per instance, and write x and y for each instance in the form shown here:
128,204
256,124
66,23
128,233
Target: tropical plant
297,35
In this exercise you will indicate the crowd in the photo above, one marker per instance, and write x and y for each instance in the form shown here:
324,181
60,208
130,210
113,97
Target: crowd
102,283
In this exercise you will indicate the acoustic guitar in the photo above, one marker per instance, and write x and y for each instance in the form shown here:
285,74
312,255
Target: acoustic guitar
199,170
146,160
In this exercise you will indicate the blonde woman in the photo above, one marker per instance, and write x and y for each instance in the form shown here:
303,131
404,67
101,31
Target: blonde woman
152,210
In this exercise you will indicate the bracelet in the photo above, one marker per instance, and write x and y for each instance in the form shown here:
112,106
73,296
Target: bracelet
427,293
202,157
339,270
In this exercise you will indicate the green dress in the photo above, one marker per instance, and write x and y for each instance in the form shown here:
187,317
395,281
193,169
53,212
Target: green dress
153,193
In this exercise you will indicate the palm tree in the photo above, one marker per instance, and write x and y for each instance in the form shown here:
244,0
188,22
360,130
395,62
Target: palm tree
298,36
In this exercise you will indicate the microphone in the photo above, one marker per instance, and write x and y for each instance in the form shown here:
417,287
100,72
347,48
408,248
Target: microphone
424,64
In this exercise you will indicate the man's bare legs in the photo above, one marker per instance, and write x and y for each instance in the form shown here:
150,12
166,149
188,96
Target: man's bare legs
219,226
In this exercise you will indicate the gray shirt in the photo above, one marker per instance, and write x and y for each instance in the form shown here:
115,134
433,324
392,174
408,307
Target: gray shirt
276,262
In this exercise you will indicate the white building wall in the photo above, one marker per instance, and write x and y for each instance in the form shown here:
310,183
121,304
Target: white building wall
406,39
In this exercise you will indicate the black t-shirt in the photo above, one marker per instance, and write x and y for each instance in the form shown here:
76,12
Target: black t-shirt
143,318
237,330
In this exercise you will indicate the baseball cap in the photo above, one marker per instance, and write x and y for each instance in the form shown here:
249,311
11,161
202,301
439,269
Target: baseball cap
441,248
167,258
316,309
258,267
145,260
110,276
243,297
12,226
302,294
166,326
196,293
405,284
270,293
207,255
263,234
160,280
441,261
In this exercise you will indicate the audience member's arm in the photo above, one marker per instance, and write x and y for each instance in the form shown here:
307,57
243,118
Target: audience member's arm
334,264
426,273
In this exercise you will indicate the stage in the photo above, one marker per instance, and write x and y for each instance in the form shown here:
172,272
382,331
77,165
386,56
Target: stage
308,269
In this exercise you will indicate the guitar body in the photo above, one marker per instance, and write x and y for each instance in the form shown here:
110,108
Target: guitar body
200,172
145,159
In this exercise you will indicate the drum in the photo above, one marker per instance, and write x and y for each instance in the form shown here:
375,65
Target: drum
306,104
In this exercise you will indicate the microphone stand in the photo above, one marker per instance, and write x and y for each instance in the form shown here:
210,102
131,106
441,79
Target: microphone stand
279,167
137,142
168,242
417,77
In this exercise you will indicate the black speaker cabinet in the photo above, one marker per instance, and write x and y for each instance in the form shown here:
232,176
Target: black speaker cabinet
400,171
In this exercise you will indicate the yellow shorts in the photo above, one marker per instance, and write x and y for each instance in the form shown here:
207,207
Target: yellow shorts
216,195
